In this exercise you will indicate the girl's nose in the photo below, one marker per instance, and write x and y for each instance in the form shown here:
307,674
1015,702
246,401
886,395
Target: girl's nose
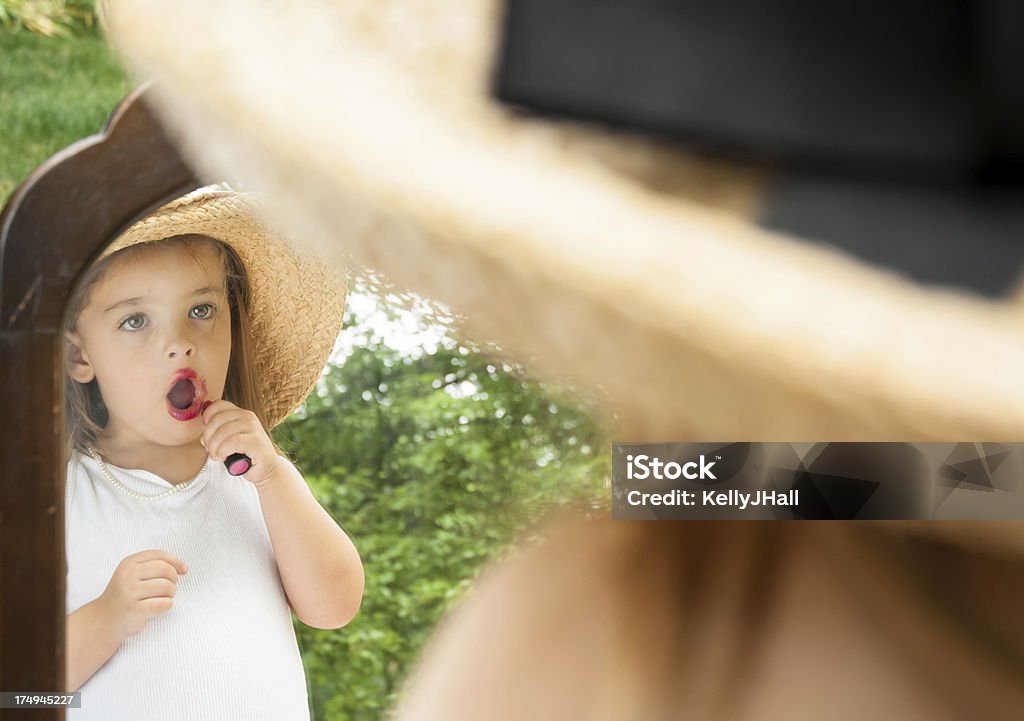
181,349
181,345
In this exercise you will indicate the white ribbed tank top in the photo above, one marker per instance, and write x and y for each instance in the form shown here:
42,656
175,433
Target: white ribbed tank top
227,648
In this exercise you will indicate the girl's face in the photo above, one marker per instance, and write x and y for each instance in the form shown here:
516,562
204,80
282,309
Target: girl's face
155,317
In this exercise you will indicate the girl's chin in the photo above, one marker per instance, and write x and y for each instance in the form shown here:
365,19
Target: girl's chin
158,427
180,433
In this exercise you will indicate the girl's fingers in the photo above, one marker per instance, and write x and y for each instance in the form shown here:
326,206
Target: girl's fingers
215,433
161,569
215,423
233,443
161,557
212,432
229,429
157,588
217,411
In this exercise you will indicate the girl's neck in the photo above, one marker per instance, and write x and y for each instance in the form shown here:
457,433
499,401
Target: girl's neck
175,464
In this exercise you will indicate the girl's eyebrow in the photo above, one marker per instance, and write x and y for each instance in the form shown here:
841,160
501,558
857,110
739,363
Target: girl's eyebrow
137,300
128,301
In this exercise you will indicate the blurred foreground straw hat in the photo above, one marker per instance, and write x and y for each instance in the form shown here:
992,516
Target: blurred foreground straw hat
296,304
608,259
613,259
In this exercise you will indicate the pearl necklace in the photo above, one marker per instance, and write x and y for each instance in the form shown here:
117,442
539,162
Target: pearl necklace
123,488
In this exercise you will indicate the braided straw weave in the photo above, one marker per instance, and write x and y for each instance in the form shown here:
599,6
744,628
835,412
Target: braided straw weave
296,304
609,259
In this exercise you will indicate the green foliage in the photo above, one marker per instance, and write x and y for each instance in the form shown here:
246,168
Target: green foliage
53,92
433,464
59,18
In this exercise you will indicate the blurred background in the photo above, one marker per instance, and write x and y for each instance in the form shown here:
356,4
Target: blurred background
432,452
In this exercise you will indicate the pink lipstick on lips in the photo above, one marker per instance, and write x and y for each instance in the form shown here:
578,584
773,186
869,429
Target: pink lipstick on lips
186,395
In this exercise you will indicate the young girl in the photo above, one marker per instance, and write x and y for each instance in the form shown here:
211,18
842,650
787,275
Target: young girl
196,332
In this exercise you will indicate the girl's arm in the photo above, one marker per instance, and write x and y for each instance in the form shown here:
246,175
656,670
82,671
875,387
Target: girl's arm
319,565
91,640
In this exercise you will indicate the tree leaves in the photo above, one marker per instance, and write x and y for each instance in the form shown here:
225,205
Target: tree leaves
433,464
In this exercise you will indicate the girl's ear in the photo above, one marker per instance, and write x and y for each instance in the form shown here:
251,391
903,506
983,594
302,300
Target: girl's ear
77,361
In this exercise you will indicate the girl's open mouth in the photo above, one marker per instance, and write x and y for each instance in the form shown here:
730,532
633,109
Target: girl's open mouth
186,396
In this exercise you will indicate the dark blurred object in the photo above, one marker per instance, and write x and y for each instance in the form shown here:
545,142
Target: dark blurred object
897,129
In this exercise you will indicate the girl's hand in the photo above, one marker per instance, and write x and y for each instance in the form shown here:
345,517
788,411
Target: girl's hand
229,429
142,586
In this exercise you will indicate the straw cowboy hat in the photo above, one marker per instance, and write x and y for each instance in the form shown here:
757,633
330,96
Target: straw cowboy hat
608,259
296,303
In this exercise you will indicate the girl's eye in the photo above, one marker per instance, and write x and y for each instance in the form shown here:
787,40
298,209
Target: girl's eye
203,311
134,322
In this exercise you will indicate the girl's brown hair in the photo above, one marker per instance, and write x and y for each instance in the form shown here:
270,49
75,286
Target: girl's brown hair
85,414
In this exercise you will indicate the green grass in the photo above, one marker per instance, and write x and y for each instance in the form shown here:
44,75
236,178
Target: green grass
53,91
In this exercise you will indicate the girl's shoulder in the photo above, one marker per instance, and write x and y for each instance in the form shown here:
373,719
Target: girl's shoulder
75,458
71,474
75,470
